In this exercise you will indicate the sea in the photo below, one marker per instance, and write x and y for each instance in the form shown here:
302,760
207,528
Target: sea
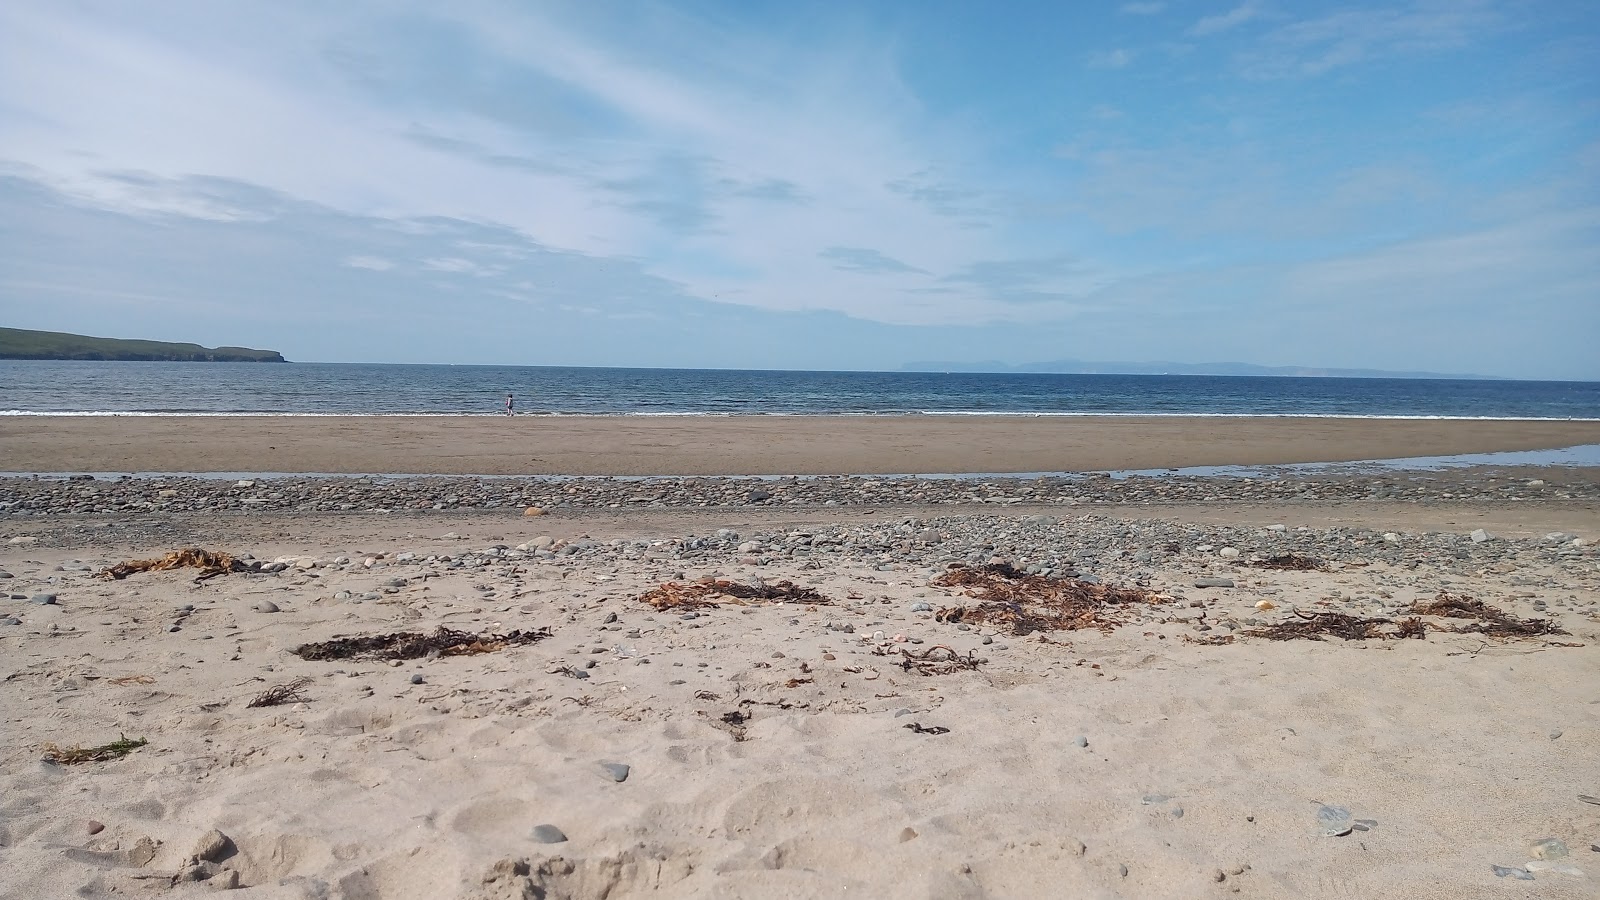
47,388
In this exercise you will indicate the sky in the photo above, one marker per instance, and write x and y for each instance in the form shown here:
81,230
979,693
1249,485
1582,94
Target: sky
831,185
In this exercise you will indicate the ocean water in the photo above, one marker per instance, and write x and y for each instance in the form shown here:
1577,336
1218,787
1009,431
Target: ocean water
159,388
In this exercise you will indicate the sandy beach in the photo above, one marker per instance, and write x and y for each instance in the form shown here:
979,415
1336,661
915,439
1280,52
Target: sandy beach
856,724
749,445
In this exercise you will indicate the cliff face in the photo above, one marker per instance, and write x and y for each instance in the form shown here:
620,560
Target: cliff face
20,343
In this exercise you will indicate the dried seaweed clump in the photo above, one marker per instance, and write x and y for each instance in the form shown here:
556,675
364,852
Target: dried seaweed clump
77,754
277,695
1489,621
210,564
937,660
678,597
411,645
1316,626
1025,603
1291,562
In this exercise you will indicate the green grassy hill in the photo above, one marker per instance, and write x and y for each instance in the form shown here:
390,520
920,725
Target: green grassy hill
19,343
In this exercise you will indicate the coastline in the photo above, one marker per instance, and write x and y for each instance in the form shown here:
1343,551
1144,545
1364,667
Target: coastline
738,445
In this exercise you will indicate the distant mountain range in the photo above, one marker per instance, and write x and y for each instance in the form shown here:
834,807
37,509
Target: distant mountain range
20,343
1080,367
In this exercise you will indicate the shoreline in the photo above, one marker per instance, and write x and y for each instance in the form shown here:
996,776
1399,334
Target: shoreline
817,748
688,446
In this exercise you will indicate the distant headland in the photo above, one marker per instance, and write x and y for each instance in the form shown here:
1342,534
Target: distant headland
20,343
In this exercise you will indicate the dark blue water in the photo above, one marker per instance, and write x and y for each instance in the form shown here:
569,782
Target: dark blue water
28,387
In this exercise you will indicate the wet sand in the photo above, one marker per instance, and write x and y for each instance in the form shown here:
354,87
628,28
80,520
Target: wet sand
791,445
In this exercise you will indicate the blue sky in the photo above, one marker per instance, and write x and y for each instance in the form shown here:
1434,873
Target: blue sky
1401,185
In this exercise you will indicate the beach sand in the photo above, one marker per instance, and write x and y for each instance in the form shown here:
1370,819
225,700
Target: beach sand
767,744
749,445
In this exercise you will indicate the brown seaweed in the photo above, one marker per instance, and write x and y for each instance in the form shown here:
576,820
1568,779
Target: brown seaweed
678,597
68,756
1290,562
411,645
278,695
1026,603
210,564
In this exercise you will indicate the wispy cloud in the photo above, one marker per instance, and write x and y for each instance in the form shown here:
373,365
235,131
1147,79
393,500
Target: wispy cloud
1226,21
1119,58
1317,45
865,260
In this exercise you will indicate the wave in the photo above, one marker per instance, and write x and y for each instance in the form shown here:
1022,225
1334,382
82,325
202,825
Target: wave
1010,414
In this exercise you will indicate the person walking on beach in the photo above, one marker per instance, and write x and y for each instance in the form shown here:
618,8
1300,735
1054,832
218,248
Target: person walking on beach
510,405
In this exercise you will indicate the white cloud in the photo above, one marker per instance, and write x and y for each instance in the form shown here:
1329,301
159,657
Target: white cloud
1316,45
1231,19
373,263
1111,59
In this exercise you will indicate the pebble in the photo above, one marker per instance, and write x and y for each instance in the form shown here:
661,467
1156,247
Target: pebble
1213,582
1334,821
10,620
1548,848
1511,872
265,606
45,599
617,772
1081,741
94,827
1480,536
548,834
417,679
212,846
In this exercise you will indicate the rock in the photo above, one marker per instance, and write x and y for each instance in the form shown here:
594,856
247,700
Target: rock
921,607
417,679
213,846
23,539
396,582
1334,821
1391,537
1081,741
94,827
45,599
1479,536
1548,848
1277,528
1536,483
1219,876
533,511
265,606
1229,553
1511,872
140,854
548,834
10,620
617,772
759,495
1556,867
244,484
1213,582
226,880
